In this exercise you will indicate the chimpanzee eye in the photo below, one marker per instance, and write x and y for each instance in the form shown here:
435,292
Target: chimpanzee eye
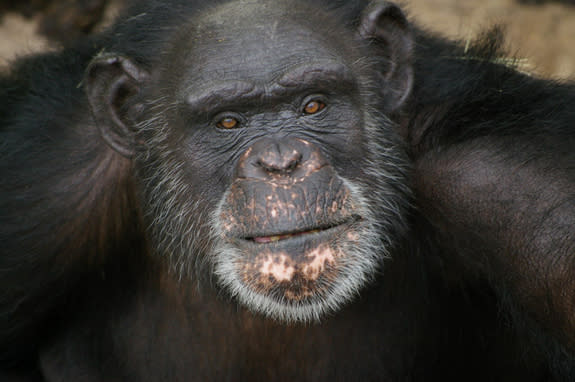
313,107
228,123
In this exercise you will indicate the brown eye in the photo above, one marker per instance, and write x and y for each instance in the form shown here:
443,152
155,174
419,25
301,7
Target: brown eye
313,107
228,123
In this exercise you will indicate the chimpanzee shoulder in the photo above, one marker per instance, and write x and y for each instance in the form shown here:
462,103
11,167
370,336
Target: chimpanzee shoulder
493,164
482,90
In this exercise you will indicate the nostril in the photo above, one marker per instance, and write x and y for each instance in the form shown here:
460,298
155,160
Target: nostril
294,162
274,163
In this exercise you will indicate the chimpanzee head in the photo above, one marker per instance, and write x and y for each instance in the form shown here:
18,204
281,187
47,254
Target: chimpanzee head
262,147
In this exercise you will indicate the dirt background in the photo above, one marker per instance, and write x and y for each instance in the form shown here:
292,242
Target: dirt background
543,34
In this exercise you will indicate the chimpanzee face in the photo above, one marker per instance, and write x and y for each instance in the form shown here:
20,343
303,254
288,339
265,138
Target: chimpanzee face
257,155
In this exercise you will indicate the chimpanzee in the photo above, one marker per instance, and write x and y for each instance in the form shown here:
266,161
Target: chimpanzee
258,190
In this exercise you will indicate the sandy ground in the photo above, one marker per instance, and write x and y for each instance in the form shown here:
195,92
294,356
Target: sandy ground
18,37
545,35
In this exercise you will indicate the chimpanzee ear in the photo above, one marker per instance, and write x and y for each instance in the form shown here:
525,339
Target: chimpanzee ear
111,81
385,24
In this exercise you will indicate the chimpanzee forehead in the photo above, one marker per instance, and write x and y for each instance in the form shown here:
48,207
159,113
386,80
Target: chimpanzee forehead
257,41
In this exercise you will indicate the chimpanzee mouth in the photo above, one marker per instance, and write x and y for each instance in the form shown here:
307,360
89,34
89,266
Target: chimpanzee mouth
267,239
283,236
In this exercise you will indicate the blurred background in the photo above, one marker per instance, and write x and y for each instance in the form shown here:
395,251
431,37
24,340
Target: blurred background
541,31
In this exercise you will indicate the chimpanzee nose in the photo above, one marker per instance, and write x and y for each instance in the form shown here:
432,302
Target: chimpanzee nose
274,158
279,158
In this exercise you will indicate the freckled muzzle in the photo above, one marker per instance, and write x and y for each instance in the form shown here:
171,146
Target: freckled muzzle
258,209
291,218
292,271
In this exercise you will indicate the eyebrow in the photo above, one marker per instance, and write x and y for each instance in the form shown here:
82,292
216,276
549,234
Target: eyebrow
224,93
307,77
330,72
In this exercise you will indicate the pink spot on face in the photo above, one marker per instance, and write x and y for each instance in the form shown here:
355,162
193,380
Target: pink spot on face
277,267
352,236
320,257
247,153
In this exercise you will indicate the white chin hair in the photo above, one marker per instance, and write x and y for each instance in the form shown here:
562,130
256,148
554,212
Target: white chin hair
358,260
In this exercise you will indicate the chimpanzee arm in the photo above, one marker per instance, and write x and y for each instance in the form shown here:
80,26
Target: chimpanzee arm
62,198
